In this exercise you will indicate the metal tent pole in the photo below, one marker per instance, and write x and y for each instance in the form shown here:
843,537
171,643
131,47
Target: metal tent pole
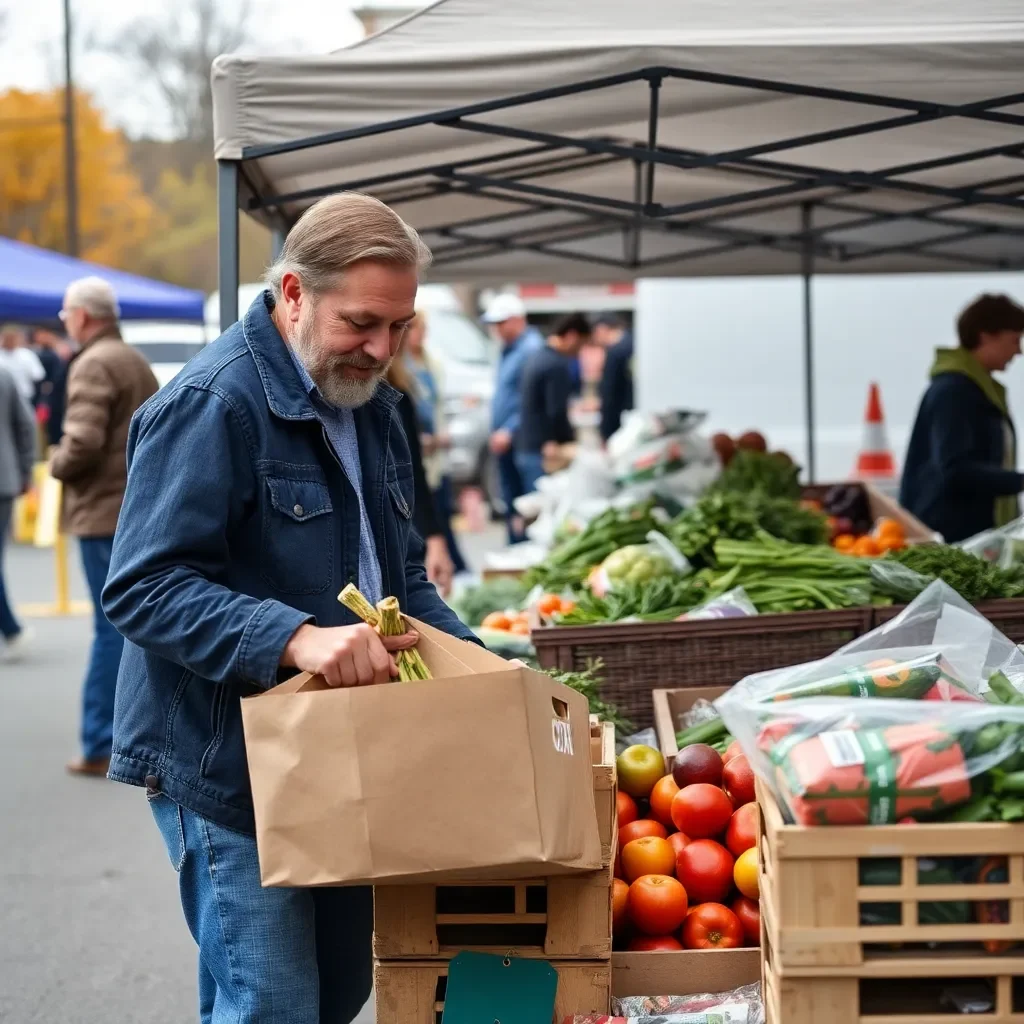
276,242
807,272
70,163
227,230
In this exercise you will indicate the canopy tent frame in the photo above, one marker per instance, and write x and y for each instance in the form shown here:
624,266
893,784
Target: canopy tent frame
513,176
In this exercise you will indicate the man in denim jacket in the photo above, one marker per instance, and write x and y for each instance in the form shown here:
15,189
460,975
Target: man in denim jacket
271,472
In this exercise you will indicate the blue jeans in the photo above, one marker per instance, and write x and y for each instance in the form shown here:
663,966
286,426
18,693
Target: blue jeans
443,504
104,658
511,488
531,469
9,627
266,956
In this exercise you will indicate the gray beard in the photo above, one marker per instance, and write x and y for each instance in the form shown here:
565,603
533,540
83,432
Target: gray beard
327,371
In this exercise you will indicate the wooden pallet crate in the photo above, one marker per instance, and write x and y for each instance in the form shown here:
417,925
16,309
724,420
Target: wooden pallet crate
815,905
563,916
894,989
670,705
410,992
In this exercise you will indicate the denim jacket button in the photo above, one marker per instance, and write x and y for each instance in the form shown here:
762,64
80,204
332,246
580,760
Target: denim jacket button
299,510
152,784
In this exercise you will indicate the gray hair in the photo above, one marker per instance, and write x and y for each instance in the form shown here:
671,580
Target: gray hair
95,295
341,230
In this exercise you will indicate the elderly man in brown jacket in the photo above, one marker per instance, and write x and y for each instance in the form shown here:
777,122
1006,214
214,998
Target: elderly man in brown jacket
107,381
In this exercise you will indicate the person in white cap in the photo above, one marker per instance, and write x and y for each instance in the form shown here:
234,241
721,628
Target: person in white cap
506,315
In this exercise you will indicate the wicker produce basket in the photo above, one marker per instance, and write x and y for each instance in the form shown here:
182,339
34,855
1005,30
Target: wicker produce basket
641,657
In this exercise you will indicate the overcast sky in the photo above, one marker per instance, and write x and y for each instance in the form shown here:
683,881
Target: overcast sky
31,43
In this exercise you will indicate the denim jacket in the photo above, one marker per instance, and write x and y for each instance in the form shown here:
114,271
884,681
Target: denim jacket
238,526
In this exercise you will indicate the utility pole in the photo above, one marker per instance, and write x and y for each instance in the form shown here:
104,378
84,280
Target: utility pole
70,161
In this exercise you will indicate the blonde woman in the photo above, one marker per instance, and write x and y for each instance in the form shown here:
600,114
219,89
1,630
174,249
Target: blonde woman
429,402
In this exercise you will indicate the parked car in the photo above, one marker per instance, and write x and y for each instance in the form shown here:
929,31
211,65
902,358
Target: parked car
167,346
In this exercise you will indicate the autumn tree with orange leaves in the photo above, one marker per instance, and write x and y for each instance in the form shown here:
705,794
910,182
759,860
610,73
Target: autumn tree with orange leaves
115,215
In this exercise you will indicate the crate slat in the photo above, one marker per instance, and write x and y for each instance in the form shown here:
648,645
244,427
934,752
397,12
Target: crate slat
408,992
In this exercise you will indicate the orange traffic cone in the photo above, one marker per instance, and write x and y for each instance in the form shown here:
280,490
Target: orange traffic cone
875,461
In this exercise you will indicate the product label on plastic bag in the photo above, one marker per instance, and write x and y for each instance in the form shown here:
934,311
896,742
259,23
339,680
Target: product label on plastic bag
561,736
842,748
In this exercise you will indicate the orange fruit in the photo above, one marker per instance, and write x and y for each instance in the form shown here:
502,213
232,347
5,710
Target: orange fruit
620,896
520,628
661,804
844,542
496,620
648,856
866,547
744,874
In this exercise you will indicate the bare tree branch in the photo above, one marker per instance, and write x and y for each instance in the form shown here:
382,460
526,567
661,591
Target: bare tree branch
174,53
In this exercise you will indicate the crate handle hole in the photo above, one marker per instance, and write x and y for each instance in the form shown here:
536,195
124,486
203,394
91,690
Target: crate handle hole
561,709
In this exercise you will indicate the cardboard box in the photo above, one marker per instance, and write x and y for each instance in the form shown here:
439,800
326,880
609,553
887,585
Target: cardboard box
684,972
669,705
483,772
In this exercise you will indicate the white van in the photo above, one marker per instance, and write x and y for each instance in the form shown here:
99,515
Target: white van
733,347
167,346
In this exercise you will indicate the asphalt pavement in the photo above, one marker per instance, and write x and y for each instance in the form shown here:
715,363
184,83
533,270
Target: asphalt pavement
91,931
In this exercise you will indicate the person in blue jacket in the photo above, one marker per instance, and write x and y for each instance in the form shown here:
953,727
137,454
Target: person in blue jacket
506,315
960,476
270,473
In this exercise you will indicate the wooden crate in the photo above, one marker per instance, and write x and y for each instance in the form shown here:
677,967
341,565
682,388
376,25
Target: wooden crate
564,916
669,705
413,993
893,990
684,972
812,900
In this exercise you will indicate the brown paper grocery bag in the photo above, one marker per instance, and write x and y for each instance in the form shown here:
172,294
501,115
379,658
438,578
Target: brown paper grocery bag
482,772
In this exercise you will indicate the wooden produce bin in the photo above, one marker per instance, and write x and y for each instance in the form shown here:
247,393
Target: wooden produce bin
880,505
670,705
684,972
822,964
566,919
414,992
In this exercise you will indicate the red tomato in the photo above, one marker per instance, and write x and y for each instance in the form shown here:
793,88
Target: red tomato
657,904
733,750
701,810
712,926
742,831
661,800
738,779
705,868
648,856
620,897
653,943
749,914
626,807
679,841
639,829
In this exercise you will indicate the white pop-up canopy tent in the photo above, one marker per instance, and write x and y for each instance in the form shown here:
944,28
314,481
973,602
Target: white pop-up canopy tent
548,140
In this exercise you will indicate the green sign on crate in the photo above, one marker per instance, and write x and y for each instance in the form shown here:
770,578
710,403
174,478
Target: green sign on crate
486,989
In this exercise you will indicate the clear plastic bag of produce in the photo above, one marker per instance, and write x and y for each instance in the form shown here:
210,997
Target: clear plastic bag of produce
732,604
938,648
640,428
920,717
1003,547
640,564
740,1005
861,761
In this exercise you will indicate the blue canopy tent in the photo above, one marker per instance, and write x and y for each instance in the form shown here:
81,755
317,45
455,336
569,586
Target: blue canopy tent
33,281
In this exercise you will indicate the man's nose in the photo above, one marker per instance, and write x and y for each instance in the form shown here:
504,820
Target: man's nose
378,344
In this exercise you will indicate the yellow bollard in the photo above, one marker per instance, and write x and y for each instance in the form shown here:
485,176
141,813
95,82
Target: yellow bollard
60,557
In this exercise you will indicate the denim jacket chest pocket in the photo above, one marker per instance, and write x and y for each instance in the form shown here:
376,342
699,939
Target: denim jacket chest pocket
298,536
401,488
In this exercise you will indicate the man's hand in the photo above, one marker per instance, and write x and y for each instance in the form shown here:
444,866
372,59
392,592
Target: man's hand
439,565
345,655
501,442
